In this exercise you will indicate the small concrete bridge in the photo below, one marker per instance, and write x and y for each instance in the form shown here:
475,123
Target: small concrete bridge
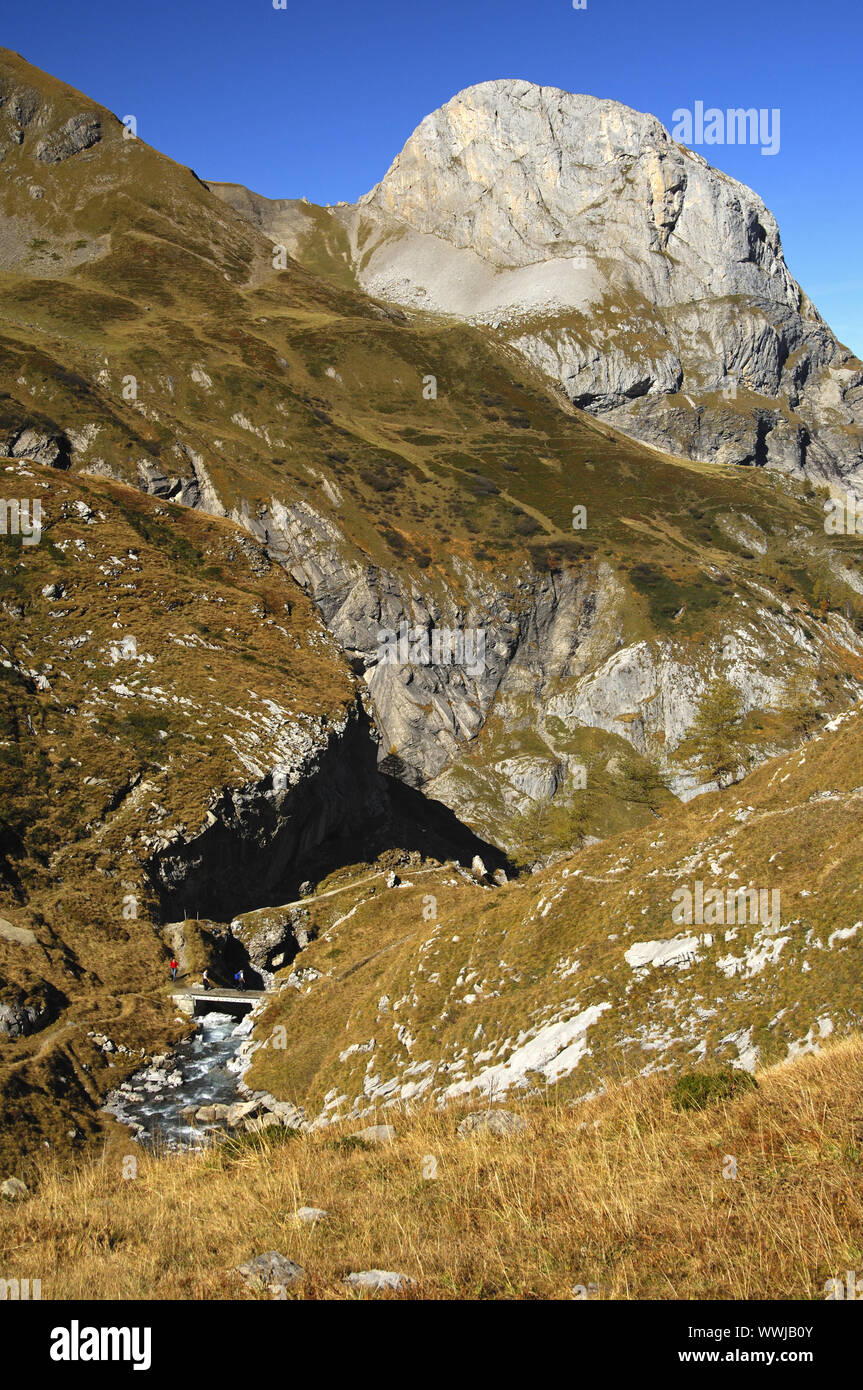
197,1001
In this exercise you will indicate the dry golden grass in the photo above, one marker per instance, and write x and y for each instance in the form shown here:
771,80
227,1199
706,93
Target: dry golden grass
621,1192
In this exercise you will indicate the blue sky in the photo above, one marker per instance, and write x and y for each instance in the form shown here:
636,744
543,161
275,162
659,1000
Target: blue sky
316,100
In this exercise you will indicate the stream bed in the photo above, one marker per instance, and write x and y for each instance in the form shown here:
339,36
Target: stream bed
204,1069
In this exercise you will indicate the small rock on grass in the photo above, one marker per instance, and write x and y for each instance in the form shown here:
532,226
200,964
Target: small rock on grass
290,1116
271,1271
240,1111
491,1122
14,1189
378,1279
376,1134
262,1122
309,1215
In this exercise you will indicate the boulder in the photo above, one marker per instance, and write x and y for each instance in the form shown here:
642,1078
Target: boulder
14,1190
210,1114
242,1110
291,1116
272,1272
376,1134
262,1122
28,1011
310,1215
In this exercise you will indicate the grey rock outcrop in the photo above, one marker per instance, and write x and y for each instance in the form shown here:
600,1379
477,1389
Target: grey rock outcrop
271,1272
516,626
22,1013
42,446
195,489
553,639
273,937
76,134
376,1134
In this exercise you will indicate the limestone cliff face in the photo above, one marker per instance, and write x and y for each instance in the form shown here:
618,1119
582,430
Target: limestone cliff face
557,656
651,286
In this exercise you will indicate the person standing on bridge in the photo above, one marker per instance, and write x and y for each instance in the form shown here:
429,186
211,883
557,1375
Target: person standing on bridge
205,980
174,968
240,978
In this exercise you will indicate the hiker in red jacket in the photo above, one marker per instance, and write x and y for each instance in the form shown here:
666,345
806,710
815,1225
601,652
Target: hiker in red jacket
174,968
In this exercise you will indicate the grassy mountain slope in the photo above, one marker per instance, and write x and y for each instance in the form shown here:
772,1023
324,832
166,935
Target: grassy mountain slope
149,657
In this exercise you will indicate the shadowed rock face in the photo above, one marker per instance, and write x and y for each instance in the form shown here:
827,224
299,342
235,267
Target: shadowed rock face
24,1013
48,447
260,837
264,839
76,134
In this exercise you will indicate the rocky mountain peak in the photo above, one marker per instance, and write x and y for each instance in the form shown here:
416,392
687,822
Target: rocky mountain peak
520,173
647,283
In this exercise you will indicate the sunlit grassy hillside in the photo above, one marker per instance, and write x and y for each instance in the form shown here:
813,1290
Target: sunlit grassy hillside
756,1197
